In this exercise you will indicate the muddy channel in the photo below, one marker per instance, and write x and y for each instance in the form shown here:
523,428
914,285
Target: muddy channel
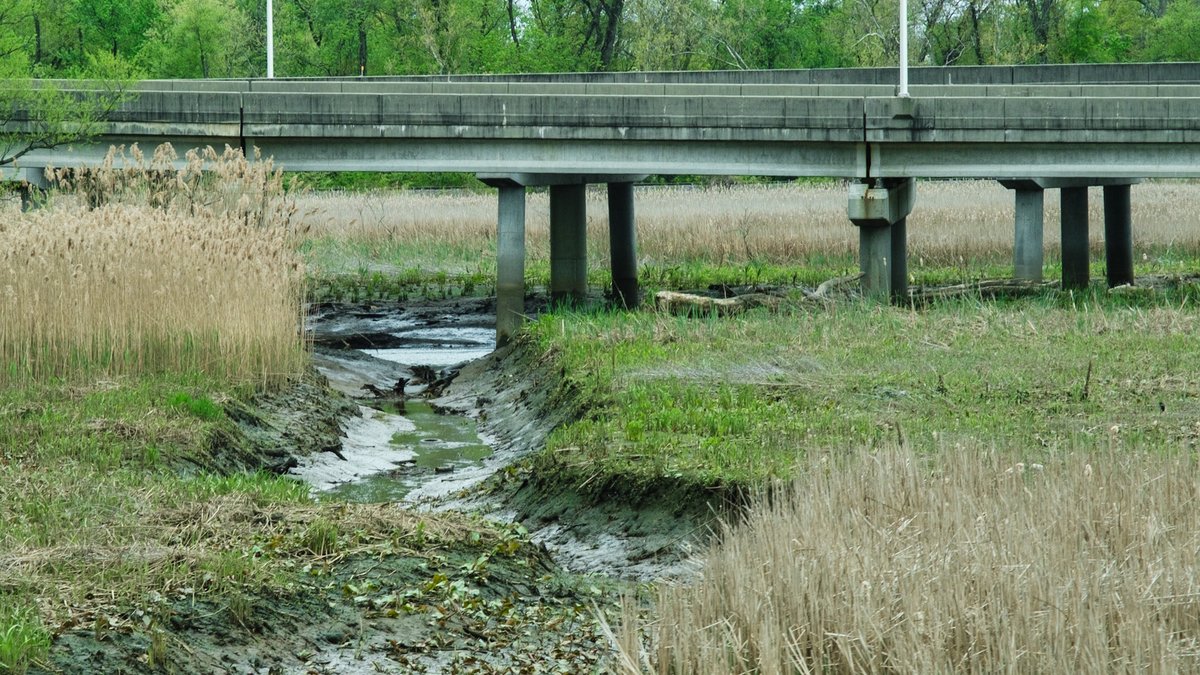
432,418
442,416
442,413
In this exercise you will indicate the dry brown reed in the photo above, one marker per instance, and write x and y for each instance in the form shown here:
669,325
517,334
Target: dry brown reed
143,267
954,223
967,562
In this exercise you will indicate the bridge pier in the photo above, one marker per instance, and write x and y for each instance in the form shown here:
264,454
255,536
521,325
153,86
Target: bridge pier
32,188
622,240
880,212
1029,226
510,263
568,240
1118,235
1074,223
568,243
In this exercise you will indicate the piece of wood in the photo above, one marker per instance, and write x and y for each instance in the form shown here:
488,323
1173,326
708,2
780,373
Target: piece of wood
672,302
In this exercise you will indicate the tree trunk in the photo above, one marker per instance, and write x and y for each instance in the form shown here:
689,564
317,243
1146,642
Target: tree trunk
608,46
512,25
362,50
37,38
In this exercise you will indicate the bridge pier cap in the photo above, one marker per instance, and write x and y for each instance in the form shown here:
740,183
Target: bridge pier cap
552,179
883,203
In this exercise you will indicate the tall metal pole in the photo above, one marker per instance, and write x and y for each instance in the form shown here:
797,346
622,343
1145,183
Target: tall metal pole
903,92
271,40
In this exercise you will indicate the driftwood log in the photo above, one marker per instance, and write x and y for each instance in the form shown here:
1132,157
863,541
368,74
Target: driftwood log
988,288
699,305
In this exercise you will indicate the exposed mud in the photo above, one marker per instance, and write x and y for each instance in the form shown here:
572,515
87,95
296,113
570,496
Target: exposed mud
459,610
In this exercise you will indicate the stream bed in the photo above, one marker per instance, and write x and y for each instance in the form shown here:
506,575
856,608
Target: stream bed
429,452
401,448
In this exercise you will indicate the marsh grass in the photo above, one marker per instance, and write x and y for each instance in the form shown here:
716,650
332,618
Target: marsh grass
741,400
958,231
142,267
967,560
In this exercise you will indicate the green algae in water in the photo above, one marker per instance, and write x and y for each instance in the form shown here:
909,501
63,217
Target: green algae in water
441,444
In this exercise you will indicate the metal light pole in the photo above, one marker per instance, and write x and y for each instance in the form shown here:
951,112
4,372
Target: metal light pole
271,40
903,90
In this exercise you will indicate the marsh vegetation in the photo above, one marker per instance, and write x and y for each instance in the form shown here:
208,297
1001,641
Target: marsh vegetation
965,485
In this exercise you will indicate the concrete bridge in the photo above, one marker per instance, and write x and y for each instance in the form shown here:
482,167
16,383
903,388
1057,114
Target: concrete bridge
1031,127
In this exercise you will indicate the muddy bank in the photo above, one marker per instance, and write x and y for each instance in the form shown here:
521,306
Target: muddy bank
382,597
518,395
272,430
642,532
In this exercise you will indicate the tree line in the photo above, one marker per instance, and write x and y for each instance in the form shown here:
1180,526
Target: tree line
226,38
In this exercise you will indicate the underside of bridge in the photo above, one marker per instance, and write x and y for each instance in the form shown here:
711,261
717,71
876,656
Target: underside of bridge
878,208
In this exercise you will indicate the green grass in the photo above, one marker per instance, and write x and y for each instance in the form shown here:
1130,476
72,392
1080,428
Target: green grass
23,638
92,482
738,400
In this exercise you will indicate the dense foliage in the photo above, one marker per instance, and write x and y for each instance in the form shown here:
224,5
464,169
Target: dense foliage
226,38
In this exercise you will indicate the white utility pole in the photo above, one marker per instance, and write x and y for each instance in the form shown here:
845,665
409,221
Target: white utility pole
271,40
903,90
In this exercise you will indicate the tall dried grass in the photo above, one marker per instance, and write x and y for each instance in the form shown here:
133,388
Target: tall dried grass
953,223
966,562
142,266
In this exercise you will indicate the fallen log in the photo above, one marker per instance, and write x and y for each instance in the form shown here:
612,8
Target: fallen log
689,304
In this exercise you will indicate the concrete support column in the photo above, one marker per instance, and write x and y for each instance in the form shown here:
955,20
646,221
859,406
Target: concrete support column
30,196
1028,237
32,187
1118,235
510,263
622,239
874,259
568,243
880,211
1075,272
898,261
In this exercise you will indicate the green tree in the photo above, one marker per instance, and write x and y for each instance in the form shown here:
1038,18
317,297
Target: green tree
777,34
37,115
1174,36
575,35
114,26
199,38
674,34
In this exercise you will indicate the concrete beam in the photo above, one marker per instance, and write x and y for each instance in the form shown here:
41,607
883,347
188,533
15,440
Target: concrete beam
548,179
880,212
1075,257
880,203
568,243
1099,158
510,263
1118,235
622,238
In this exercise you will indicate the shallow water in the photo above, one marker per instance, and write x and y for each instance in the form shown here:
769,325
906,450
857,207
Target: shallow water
427,455
429,356
399,452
